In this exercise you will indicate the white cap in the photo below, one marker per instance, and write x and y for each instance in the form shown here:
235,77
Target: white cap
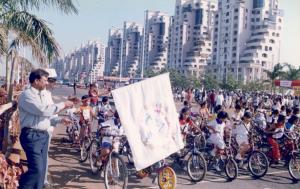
52,72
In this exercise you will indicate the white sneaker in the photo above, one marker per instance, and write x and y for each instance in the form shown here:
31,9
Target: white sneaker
216,167
238,157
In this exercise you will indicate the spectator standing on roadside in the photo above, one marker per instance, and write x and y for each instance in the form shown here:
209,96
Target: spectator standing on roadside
35,119
74,87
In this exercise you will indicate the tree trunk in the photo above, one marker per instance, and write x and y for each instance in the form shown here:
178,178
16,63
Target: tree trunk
11,81
7,72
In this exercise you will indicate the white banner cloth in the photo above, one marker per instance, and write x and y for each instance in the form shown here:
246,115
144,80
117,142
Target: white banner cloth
285,83
150,120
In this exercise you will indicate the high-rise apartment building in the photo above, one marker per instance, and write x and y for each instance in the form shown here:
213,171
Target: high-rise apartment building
156,40
191,29
113,52
84,64
131,49
246,39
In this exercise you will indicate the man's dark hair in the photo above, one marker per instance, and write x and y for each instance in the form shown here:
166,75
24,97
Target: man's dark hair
37,74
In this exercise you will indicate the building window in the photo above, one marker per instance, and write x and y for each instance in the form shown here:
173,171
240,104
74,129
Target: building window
198,16
240,69
258,3
266,48
236,17
257,19
272,41
236,10
270,49
264,55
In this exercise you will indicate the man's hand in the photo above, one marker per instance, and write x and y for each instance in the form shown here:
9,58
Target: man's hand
66,121
74,99
68,104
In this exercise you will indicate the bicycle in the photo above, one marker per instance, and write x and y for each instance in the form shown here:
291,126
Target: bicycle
165,174
113,165
227,162
289,152
196,164
257,161
85,142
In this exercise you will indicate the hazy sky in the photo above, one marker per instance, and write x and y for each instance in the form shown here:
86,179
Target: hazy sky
97,16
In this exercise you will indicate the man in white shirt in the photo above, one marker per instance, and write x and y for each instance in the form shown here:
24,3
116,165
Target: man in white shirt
48,96
219,99
36,116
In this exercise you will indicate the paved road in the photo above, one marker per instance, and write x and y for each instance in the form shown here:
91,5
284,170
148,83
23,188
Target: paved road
68,173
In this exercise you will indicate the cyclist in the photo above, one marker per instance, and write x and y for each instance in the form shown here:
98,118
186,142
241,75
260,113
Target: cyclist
276,132
112,127
273,118
242,139
203,111
186,123
86,114
104,110
217,129
291,123
237,114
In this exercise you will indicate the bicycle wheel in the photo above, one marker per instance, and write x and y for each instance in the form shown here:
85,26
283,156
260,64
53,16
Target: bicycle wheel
200,142
84,149
93,156
231,169
258,164
196,167
166,178
115,174
294,167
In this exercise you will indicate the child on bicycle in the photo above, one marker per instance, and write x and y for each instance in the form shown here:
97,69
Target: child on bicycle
104,110
241,132
237,115
217,129
275,132
203,111
86,114
111,128
186,124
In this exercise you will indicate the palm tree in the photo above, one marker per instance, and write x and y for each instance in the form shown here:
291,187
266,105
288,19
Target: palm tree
292,73
19,28
274,74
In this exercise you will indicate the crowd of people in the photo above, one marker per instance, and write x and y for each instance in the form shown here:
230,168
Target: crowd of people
221,112
229,111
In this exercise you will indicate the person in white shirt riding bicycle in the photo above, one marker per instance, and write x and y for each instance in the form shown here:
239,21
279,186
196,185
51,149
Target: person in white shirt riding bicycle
241,135
104,110
111,128
217,130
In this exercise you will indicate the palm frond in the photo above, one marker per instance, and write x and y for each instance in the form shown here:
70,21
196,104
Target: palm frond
33,31
65,6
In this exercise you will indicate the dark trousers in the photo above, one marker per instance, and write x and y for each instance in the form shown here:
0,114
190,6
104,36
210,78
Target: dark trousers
35,145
